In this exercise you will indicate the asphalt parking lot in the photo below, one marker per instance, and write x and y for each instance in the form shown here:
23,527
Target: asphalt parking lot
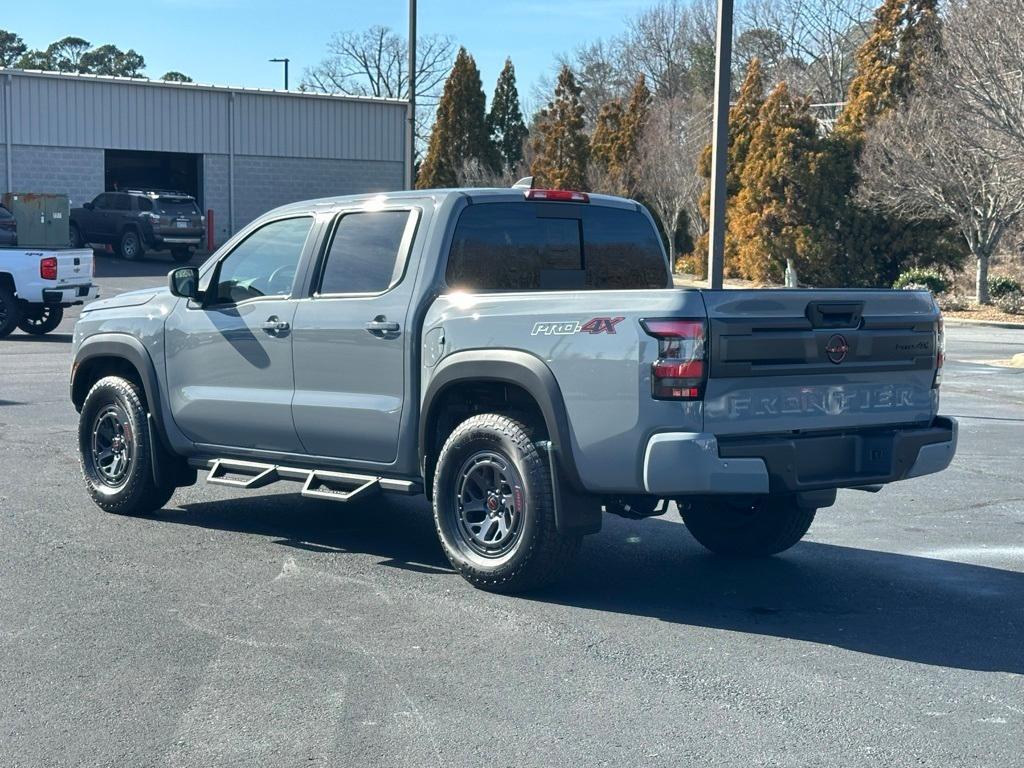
248,630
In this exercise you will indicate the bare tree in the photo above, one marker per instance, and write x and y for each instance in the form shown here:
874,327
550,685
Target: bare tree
820,39
984,48
668,178
598,70
930,162
374,62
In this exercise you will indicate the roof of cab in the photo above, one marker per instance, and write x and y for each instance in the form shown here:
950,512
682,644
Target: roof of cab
437,196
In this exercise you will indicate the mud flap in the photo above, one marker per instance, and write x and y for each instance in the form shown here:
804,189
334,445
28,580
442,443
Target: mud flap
574,512
168,469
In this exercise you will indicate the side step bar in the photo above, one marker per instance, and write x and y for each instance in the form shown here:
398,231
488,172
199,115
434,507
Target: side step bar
316,483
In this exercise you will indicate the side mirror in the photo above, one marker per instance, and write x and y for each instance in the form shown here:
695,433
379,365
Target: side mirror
87,206
184,282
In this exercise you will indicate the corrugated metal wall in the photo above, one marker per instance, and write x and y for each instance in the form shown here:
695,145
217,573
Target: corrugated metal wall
51,110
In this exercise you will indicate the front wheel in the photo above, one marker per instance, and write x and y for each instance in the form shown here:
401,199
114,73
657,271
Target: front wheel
494,507
75,236
114,449
747,528
38,319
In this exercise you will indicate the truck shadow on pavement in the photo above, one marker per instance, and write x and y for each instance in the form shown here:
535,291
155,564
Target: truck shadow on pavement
153,264
897,606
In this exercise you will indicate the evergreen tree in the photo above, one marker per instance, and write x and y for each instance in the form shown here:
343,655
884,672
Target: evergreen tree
505,120
874,247
604,146
890,63
615,143
743,120
560,144
460,131
776,215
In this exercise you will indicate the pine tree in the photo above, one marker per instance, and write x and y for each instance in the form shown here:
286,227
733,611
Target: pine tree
890,63
873,248
604,146
777,212
560,144
505,120
615,143
460,131
743,120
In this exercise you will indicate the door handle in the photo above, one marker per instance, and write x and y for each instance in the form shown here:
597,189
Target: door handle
274,325
380,325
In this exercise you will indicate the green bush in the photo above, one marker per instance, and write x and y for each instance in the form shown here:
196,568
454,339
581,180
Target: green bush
918,276
1003,286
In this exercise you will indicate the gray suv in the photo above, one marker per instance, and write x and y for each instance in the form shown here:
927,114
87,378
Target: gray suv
136,220
518,356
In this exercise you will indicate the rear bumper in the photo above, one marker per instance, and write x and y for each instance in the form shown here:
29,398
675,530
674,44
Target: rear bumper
73,294
687,463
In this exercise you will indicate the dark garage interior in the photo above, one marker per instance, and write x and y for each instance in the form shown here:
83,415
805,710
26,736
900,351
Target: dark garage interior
131,169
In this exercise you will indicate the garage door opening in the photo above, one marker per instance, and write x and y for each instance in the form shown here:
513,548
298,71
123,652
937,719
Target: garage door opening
173,171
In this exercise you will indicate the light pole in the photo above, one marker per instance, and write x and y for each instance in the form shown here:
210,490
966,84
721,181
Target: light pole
285,62
720,144
410,128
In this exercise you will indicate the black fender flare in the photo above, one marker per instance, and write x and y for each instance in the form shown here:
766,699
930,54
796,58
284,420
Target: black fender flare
508,366
128,348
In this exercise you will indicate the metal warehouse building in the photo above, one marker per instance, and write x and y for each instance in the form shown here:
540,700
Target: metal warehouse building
239,151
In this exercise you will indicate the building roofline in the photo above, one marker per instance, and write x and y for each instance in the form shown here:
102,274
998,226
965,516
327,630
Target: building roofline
145,81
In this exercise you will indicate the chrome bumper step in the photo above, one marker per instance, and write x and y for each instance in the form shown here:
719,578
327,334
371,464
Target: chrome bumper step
316,483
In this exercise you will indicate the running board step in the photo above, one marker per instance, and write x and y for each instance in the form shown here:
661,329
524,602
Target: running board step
316,483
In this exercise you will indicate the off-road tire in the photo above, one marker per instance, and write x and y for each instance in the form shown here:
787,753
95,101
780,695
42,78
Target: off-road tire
137,494
181,255
539,552
75,236
768,526
39,319
10,312
130,246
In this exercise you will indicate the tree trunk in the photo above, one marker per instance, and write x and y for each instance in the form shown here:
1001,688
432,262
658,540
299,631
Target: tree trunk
981,282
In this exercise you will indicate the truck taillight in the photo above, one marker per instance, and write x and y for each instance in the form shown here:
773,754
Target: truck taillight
940,352
679,371
48,268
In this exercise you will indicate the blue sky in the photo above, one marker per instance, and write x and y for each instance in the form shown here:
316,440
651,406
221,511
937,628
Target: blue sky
228,42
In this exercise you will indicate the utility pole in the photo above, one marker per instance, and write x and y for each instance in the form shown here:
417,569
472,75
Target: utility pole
720,144
410,128
285,62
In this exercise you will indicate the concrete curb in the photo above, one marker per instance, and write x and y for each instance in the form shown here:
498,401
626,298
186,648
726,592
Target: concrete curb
984,323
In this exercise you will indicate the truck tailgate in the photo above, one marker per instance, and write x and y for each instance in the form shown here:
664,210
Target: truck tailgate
785,361
74,265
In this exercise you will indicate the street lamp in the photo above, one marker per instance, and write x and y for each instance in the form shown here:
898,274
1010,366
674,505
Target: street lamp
720,144
285,62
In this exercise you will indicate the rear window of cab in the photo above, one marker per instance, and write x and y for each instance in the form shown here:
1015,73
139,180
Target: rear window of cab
548,246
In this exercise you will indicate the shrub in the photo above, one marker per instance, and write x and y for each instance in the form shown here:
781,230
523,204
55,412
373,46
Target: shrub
1011,303
952,302
918,276
1003,286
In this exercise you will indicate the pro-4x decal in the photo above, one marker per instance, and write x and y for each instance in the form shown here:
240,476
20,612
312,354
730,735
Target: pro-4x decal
569,327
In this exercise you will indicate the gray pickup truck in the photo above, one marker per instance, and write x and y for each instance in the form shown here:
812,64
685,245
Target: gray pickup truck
519,356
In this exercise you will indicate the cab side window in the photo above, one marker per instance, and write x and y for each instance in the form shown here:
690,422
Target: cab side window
365,253
264,264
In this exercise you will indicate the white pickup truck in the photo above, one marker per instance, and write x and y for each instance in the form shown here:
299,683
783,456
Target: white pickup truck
37,283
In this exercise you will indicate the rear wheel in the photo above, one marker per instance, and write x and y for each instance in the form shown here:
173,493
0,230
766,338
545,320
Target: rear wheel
757,528
10,311
181,255
130,246
494,507
114,449
38,319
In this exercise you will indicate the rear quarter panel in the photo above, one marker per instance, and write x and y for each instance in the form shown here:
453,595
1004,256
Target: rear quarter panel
604,377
